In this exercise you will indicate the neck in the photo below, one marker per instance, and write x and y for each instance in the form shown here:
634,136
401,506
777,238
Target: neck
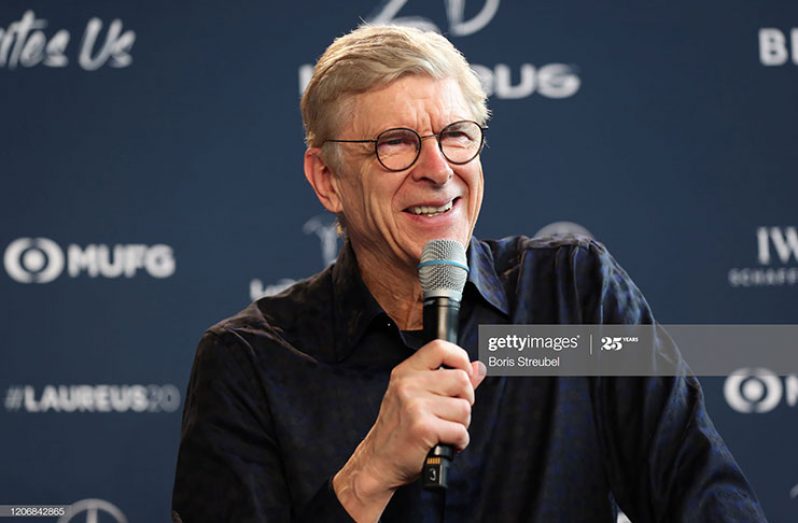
396,289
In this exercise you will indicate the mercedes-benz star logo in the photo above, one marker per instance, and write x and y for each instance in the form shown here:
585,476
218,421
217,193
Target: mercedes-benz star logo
93,511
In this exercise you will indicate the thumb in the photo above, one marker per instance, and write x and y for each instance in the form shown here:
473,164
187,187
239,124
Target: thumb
478,373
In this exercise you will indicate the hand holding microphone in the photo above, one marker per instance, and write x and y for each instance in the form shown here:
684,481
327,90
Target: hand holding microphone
426,409
442,272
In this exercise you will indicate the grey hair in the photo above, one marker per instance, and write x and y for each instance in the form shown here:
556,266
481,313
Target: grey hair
374,56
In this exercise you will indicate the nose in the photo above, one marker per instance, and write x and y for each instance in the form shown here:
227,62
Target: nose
431,164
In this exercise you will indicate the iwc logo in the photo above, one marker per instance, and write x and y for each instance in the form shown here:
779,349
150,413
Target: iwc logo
777,257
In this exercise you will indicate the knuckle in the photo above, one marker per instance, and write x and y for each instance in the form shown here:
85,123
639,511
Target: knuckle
419,429
448,348
465,409
403,390
462,412
464,438
463,381
439,346
396,373
414,408
432,345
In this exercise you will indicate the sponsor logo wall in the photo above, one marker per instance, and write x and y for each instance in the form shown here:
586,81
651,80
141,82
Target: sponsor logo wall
29,42
93,398
778,47
760,390
151,186
91,510
41,260
777,260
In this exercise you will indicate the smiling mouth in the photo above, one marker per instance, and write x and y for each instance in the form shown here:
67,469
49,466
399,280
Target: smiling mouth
427,210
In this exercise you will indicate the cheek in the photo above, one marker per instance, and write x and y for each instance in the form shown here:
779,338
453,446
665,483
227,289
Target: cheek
350,198
476,187
372,201
384,195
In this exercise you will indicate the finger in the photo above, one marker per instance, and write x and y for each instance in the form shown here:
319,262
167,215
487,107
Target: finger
431,431
439,353
448,382
456,410
452,433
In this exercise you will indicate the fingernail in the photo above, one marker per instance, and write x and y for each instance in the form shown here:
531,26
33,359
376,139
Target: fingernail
481,369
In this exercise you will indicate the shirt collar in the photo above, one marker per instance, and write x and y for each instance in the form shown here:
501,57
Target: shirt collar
354,308
482,274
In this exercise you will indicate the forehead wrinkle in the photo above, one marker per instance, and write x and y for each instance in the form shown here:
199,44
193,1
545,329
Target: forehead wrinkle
423,110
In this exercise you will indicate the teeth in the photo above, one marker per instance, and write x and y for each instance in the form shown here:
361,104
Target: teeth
431,211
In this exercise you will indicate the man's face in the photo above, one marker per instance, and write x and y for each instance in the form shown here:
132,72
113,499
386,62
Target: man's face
381,207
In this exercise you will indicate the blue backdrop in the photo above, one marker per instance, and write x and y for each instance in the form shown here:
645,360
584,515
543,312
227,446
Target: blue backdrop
150,156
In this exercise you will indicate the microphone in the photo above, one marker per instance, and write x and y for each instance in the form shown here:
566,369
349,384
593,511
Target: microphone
442,271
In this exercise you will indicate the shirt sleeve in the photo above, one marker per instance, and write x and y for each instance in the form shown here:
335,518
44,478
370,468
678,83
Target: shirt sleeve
665,459
229,465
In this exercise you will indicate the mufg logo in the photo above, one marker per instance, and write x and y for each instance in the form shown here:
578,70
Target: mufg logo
554,80
41,260
759,390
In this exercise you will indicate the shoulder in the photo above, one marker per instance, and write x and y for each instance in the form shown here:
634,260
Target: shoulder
556,257
576,270
274,323
565,251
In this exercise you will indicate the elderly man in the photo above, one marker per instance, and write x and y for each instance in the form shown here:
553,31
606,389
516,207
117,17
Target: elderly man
321,403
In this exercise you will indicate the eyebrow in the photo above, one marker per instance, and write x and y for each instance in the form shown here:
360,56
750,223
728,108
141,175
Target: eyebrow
432,131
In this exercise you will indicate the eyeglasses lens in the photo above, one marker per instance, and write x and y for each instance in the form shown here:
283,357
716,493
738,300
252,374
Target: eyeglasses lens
397,149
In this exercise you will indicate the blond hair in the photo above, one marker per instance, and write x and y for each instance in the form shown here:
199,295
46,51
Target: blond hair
374,56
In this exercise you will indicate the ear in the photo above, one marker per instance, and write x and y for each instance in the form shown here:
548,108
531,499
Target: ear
321,177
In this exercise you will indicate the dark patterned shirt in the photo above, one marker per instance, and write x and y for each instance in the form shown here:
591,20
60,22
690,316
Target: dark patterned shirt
282,393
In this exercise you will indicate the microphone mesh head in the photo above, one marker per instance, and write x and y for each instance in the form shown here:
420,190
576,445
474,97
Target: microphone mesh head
443,269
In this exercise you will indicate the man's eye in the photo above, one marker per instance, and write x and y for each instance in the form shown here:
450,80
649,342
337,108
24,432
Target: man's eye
455,135
457,138
397,141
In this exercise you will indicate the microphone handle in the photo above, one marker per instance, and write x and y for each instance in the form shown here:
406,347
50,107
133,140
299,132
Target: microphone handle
440,323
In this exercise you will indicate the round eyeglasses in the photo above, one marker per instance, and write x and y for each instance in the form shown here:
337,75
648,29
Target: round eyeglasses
398,149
